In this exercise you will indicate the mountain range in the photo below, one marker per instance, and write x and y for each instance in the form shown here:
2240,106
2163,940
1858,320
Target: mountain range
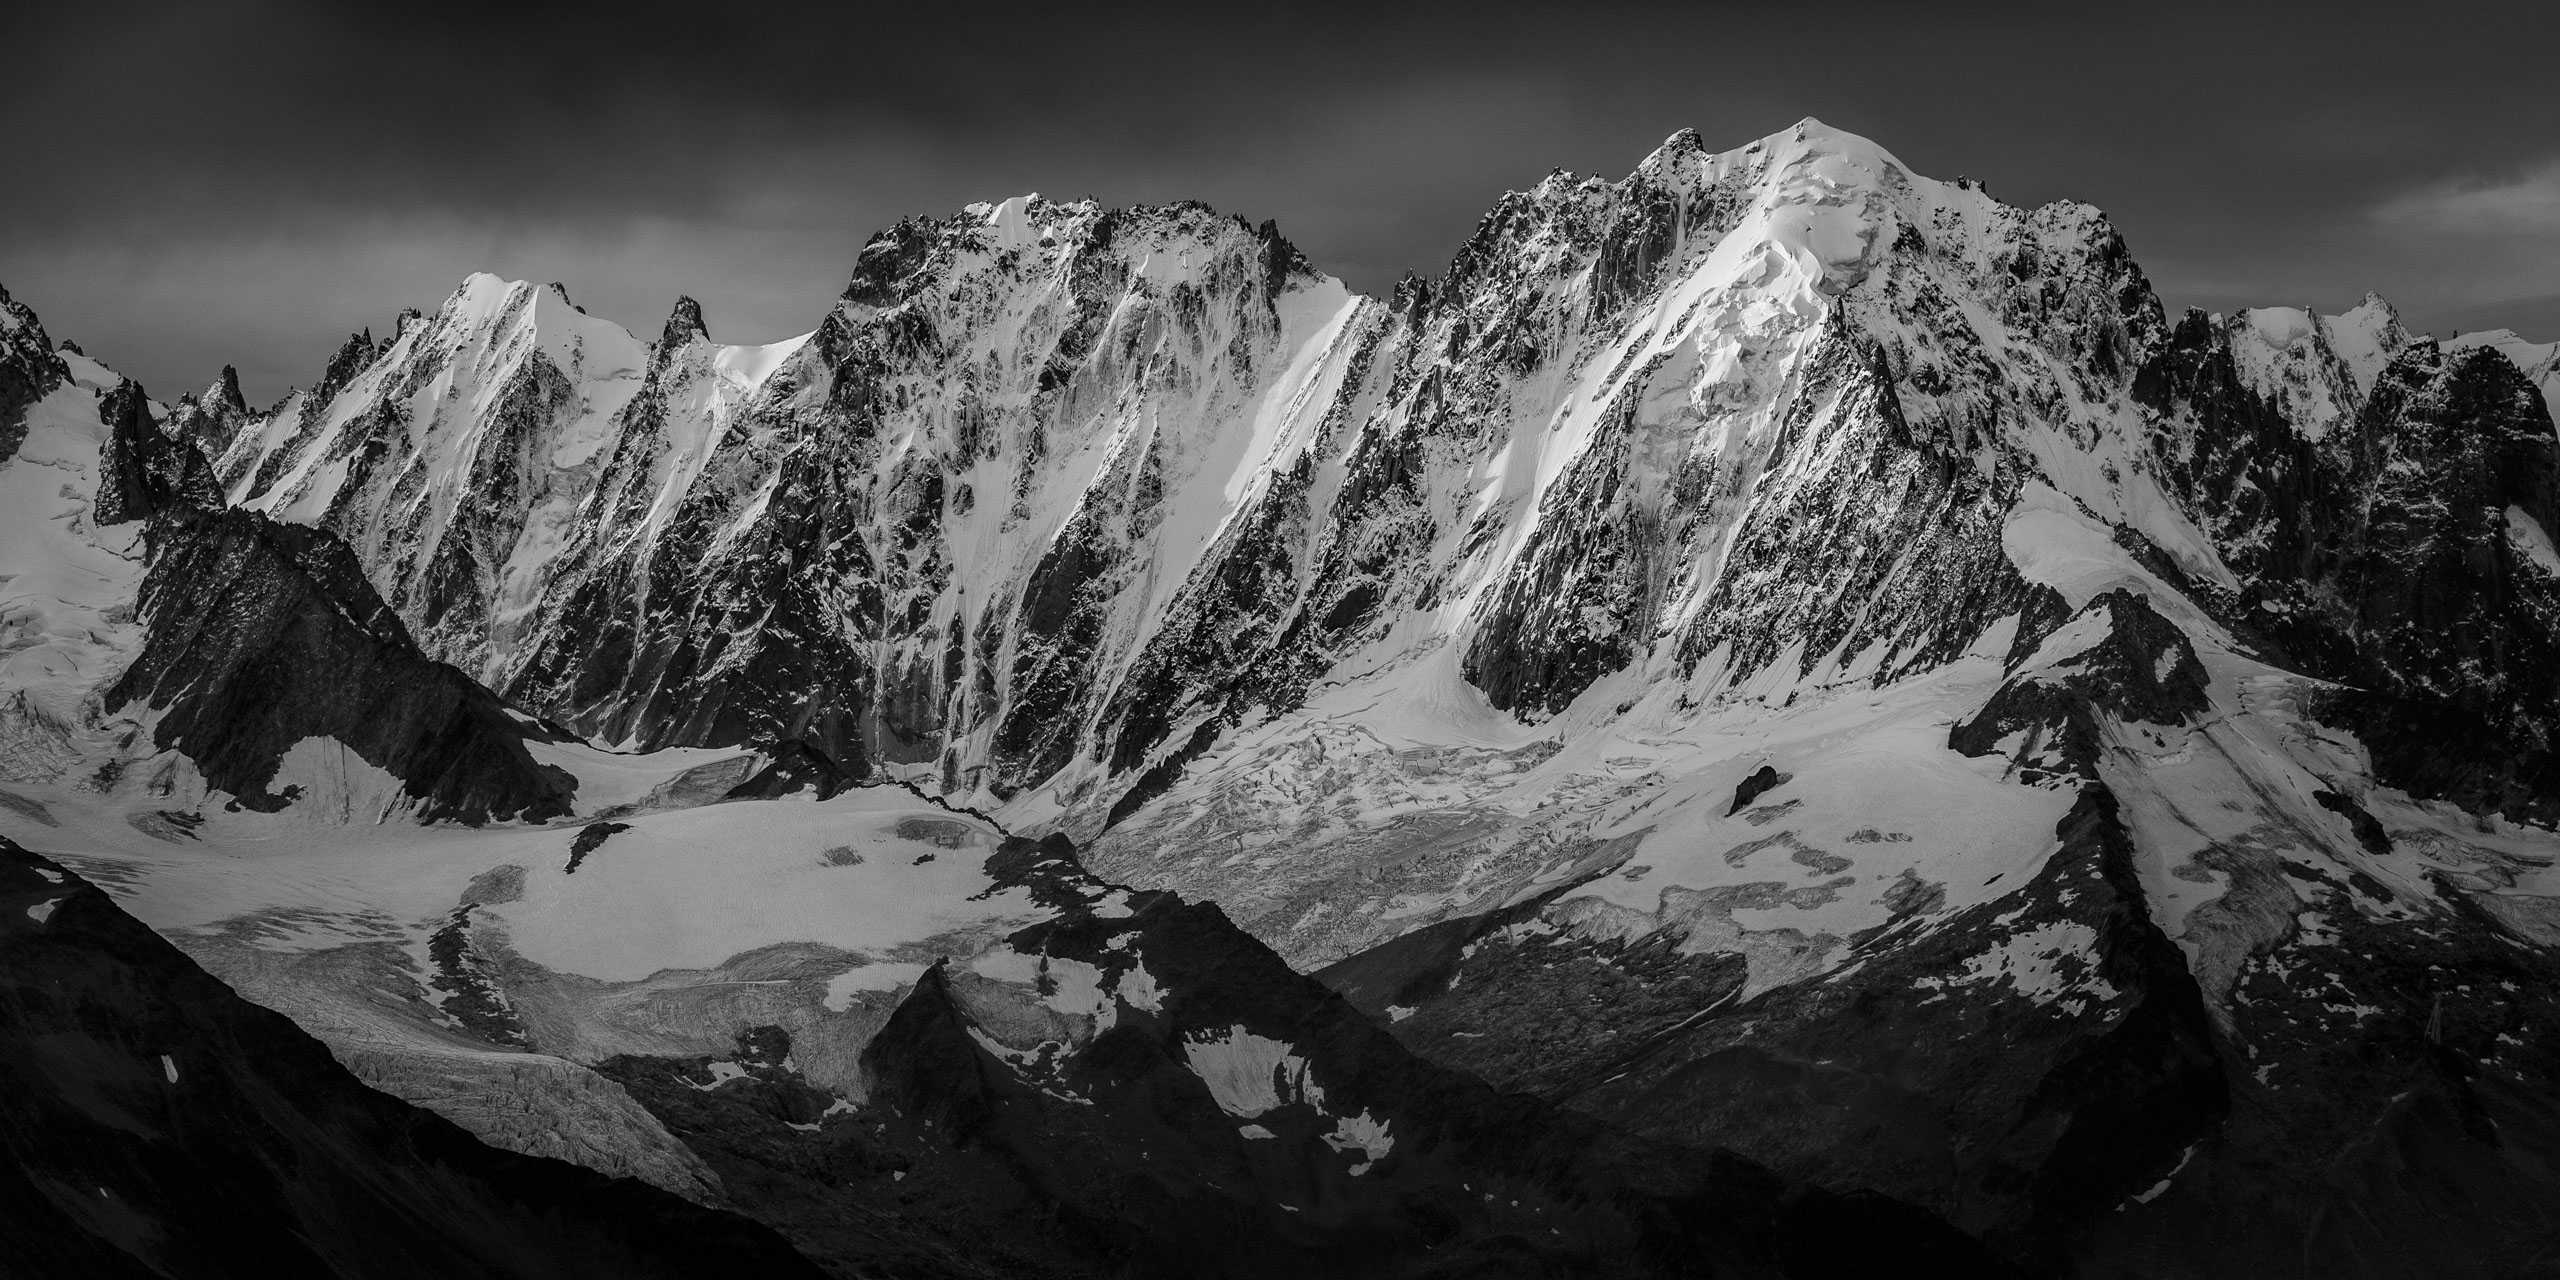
1780,716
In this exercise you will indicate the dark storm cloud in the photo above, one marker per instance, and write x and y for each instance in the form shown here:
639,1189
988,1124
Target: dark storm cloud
190,185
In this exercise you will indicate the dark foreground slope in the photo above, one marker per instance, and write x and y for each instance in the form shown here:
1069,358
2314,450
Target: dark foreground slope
152,1123
1228,1117
2365,1089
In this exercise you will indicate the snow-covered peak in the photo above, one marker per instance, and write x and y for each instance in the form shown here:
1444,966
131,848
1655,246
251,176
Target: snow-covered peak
1684,160
91,375
1009,222
1810,137
2366,336
746,367
510,318
2316,368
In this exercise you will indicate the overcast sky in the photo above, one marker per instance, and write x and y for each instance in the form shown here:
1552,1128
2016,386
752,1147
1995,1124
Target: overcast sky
189,185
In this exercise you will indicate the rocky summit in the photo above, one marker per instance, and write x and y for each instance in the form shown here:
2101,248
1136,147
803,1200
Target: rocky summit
1778,717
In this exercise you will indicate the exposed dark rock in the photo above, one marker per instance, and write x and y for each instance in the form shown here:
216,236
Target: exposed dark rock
262,635
29,370
210,418
747,647
1064,606
2442,624
1762,781
590,838
2393,1084
1896,544
1576,602
352,356
793,767
141,471
2368,828
2250,475
2141,668
162,1126
889,260
2380,556
2025,1116
684,325
467,992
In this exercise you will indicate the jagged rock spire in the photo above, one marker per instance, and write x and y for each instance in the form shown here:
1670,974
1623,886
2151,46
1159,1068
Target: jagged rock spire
352,357
684,324
142,471
226,391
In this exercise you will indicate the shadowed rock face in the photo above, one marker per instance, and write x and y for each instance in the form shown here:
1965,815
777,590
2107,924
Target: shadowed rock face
2393,555
159,1125
2142,667
263,635
2020,1117
2442,619
141,471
